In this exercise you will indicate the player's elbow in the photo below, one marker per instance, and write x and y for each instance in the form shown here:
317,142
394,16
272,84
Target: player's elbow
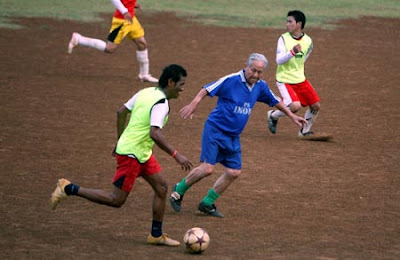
155,133
279,61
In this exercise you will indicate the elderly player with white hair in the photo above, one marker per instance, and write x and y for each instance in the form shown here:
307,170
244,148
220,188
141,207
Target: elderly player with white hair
237,94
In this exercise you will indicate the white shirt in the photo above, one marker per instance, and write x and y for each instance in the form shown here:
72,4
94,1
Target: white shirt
120,6
283,56
158,112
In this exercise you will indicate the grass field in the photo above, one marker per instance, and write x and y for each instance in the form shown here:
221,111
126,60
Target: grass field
234,13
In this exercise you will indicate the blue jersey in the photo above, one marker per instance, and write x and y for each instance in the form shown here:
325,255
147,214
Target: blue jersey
236,100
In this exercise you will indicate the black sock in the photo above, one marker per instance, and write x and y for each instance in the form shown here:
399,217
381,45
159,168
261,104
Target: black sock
156,228
71,189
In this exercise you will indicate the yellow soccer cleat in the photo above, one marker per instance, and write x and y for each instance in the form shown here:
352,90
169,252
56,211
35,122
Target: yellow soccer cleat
162,240
59,194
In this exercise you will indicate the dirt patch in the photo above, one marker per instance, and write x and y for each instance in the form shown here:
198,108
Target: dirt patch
295,199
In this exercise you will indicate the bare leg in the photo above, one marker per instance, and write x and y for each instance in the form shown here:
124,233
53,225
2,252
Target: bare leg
225,180
160,187
114,199
198,173
141,43
110,47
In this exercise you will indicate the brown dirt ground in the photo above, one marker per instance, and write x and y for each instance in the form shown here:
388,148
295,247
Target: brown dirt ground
295,199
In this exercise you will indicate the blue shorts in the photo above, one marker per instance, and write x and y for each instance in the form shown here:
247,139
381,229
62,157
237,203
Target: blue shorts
218,147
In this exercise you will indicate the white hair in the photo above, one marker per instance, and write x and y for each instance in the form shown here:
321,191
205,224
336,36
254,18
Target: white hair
257,56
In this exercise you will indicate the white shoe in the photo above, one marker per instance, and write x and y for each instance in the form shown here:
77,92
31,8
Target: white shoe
301,134
147,78
73,42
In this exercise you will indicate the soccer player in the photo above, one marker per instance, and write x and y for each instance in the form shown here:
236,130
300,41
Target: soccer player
124,24
148,109
237,94
294,48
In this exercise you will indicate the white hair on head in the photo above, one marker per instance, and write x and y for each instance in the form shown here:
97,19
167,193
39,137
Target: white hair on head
257,56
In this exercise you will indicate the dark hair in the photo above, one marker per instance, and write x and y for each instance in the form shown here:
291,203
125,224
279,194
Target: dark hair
298,16
174,72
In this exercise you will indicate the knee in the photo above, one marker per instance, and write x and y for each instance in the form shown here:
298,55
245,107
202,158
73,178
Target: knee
207,170
118,202
141,44
234,174
315,107
162,190
294,107
110,48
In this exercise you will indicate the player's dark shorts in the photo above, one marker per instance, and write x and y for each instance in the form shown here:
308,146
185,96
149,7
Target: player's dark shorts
128,169
218,147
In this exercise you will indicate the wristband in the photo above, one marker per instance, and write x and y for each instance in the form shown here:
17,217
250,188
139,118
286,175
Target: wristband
174,153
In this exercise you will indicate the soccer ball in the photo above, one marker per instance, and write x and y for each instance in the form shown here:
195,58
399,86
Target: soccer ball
196,240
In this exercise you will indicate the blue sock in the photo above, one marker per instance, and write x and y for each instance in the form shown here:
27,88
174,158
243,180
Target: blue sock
71,189
156,228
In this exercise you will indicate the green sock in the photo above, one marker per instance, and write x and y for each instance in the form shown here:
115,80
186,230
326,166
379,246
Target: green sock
182,187
211,197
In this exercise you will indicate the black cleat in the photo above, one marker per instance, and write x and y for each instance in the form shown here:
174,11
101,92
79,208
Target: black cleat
210,210
176,200
272,122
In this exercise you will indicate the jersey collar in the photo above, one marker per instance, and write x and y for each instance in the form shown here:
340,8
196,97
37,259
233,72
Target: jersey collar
243,77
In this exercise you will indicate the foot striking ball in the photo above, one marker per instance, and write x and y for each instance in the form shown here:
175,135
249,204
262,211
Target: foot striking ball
196,240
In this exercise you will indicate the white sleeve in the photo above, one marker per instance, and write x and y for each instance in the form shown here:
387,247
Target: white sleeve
131,102
309,52
120,6
158,114
282,56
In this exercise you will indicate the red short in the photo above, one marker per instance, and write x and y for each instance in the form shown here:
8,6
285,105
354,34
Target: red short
303,92
128,169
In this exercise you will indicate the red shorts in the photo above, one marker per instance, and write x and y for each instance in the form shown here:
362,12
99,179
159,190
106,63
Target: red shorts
303,92
128,169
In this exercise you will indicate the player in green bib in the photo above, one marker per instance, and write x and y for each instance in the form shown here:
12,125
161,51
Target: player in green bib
148,110
293,49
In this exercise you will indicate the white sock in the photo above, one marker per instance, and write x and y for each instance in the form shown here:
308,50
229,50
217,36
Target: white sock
143,60
278,113
310,116
91,42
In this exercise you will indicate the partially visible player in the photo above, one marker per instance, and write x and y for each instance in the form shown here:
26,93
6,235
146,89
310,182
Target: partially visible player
237,95
294,48
124,24
148,110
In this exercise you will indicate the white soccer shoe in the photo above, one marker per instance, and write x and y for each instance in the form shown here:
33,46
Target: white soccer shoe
147,78
73,42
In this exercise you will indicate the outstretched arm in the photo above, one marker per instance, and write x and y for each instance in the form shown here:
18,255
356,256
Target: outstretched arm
296,119
159,138
188,110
